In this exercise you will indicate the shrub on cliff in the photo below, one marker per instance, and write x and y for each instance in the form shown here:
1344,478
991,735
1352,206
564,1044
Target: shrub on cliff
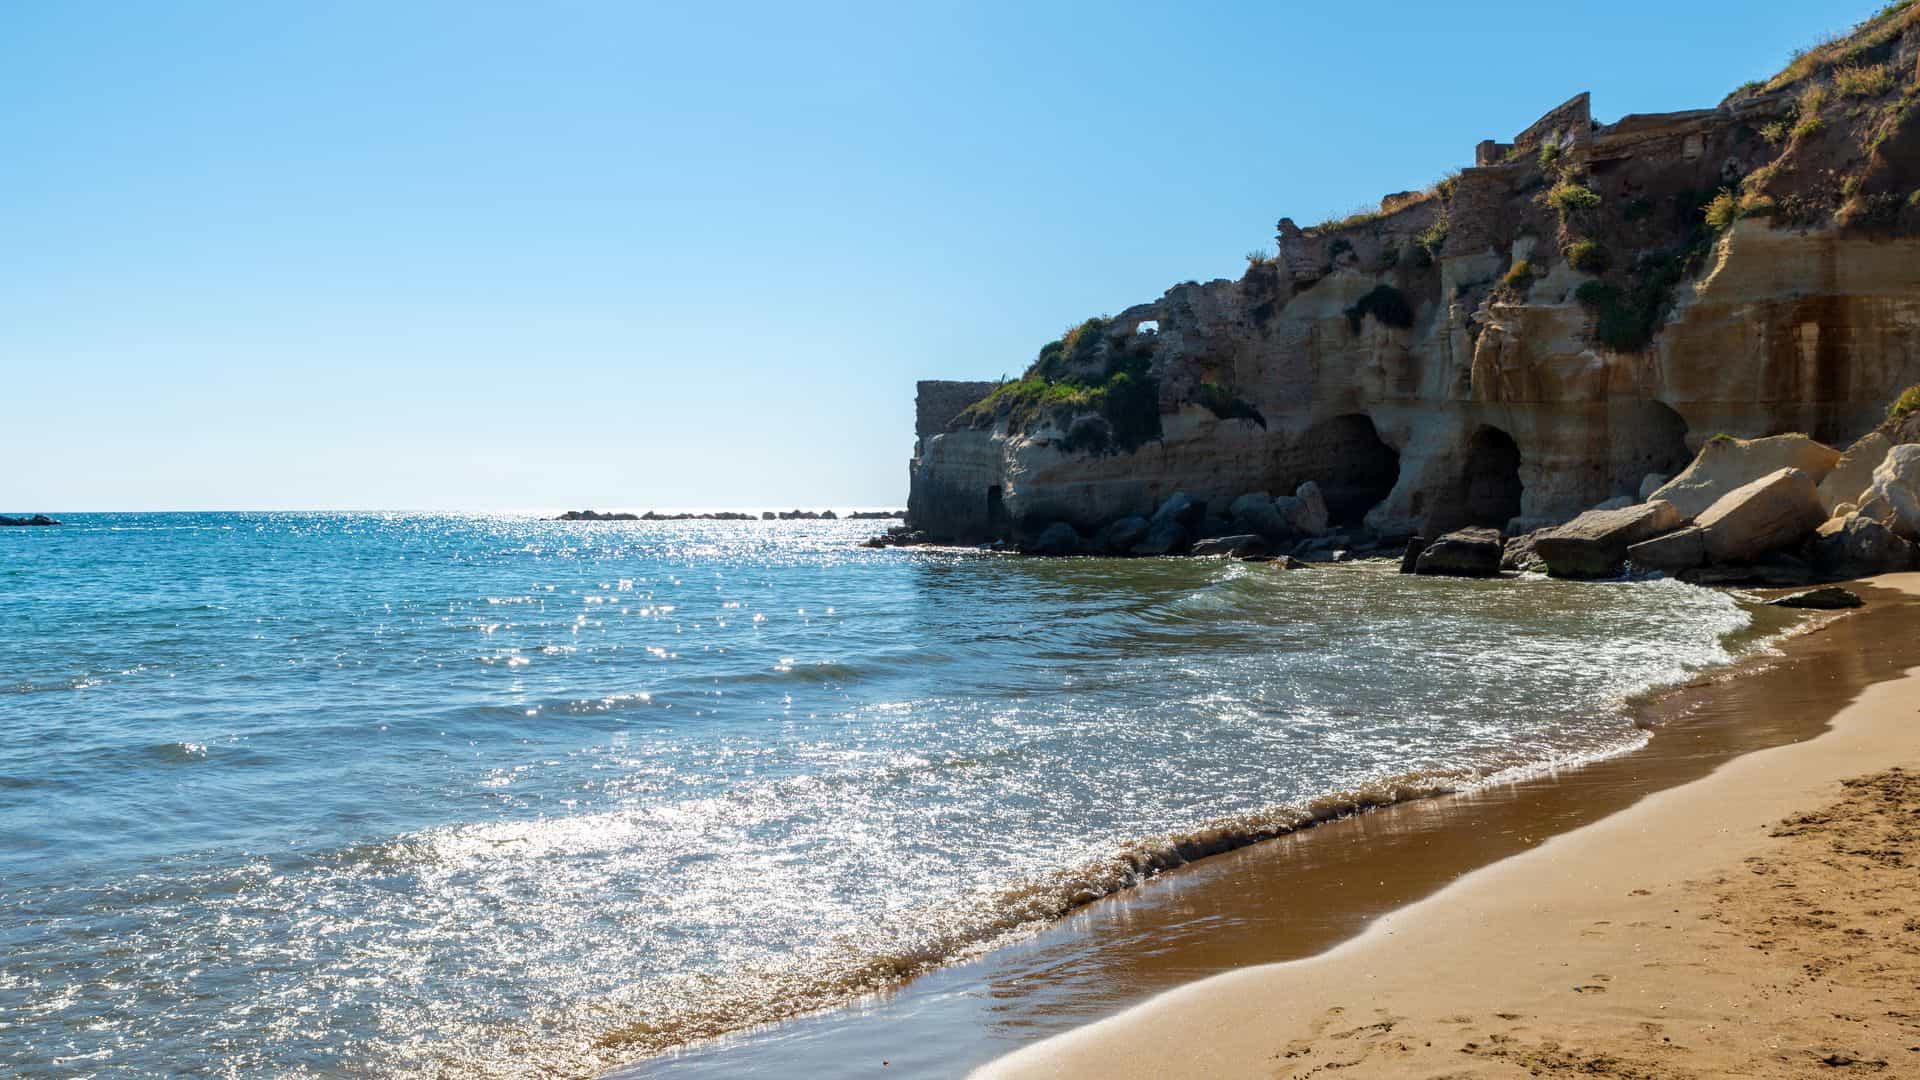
1569,196
1905,405
1385,303
1587,256
1222,402
1863,80
1519,278
1083,372
1723,210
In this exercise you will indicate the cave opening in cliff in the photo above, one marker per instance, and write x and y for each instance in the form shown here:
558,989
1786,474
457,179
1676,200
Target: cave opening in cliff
996,512
1489,490
1353,465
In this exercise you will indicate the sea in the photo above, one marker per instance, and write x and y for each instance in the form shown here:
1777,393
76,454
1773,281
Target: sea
328,794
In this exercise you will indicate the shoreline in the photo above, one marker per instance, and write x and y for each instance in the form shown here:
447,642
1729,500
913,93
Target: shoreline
1279,899
1477,971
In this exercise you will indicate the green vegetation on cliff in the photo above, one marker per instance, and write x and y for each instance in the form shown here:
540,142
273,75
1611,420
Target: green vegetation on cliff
1081,373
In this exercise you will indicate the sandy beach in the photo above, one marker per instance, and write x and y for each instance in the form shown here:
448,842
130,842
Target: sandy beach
1755,922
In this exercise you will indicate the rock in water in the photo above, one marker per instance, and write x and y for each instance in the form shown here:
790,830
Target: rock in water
1462,553
1726,463
1238,547
1856,546
1163,538
1594,545
1056,539
1410,559
1770,513
1120,537
1683,549
1894,497
1854,474
1254,512
1519,555
1828,598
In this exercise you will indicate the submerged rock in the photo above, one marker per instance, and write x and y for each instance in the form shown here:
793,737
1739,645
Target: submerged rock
1828,598
1462,553
1595,544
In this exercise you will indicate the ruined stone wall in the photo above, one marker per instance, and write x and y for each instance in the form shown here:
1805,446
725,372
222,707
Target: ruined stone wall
937,401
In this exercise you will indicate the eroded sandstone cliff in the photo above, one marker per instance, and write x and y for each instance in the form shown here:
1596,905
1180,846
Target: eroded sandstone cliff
1583,307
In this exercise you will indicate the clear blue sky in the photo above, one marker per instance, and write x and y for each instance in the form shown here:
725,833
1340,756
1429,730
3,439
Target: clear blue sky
459,255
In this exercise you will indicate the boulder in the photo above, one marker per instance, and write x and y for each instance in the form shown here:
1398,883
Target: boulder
1308,510
1778,510
1618,502
1594,545
1181,509
1119,537
1244,546
1683,549
1827,598
1255,513
1462,553
1163,538
1409,560
1726,463
1520,555
1854,473
1056,539
1894,495
1211,528
1858,546
1653,482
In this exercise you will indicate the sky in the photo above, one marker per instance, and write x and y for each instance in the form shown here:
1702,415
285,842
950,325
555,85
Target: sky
481,256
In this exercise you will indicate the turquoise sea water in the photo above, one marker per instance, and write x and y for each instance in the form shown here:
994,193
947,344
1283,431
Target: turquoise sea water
371,794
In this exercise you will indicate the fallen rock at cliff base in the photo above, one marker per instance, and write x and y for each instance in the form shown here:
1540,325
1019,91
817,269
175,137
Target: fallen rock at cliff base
1462,553
1057,539
1682,549
1520,555
1410,559
1894,496
1307,511
1163,538
1238,547
1770,513
1595,544
1857,546
1120,537
1854,472
1829,598
1255,513
1652,483
1181,509
1726,464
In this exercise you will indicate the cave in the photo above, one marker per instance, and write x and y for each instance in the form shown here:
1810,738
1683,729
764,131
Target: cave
1488,491
996,513
1354,467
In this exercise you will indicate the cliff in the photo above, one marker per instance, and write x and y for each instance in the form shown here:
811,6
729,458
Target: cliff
1584,306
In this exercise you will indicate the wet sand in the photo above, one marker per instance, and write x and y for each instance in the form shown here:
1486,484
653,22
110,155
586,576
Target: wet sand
1698,913
1303,894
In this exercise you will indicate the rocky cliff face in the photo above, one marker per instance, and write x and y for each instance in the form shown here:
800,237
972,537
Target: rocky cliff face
1584,306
